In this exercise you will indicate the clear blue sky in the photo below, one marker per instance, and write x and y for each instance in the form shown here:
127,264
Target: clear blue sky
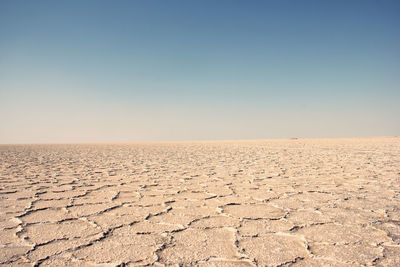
98,71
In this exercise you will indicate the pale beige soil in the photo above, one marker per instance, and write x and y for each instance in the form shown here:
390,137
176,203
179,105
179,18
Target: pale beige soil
332,202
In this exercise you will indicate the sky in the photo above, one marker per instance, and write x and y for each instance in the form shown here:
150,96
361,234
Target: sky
132,71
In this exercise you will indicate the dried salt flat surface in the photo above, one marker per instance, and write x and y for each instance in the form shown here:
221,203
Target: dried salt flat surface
332,202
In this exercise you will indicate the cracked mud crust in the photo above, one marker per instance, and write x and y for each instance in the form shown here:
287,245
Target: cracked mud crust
332,202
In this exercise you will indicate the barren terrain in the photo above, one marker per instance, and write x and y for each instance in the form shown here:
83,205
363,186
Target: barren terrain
332,202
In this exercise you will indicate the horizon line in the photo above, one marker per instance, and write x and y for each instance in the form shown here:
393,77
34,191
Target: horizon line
201,141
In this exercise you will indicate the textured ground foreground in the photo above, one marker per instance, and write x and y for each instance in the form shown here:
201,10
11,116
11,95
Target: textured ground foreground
276,203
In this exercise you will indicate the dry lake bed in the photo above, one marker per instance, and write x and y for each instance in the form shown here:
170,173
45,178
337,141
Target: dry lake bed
302,202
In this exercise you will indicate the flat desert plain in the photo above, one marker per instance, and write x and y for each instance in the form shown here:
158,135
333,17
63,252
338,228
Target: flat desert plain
305,202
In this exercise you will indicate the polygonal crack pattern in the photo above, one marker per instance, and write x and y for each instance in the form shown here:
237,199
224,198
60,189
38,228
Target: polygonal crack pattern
332,202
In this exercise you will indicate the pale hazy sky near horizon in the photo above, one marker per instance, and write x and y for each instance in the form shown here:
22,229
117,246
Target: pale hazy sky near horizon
129,71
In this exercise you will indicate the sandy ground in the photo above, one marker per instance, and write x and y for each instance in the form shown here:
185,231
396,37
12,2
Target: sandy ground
331,202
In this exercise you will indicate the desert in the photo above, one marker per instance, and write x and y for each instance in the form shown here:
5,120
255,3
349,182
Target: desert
199,133
288,202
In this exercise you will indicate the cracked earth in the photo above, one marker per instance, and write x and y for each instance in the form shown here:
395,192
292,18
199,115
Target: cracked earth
332,202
